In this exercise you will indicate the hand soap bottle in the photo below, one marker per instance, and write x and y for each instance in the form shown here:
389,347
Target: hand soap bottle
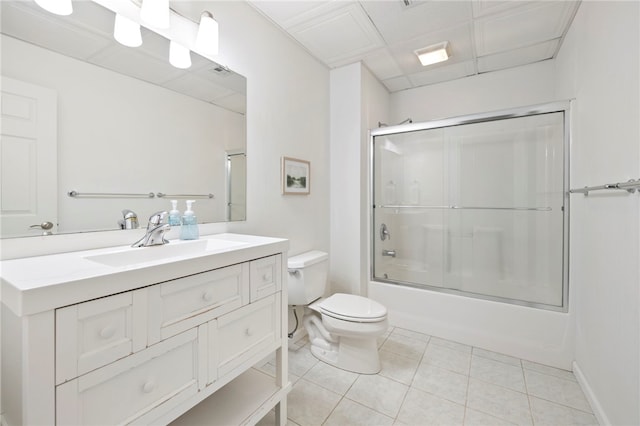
174,214
189,228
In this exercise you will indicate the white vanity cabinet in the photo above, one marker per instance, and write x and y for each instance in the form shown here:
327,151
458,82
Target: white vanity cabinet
150,354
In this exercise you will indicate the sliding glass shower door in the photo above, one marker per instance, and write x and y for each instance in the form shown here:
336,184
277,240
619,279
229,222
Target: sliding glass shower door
475,208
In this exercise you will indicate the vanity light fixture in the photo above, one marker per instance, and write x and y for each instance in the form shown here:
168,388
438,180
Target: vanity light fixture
207,38
59,7
127,32
179,56
433,54
155,13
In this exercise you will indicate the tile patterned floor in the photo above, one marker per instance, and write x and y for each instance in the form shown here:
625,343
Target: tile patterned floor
430,381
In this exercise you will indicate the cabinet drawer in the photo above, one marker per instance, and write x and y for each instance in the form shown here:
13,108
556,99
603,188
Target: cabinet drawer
238,336
159,377
92,334
266,277
179,305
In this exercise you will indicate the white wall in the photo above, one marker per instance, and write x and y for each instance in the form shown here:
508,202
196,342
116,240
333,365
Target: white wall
358,102
599,66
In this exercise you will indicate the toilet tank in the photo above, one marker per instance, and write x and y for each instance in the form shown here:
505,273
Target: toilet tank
307,277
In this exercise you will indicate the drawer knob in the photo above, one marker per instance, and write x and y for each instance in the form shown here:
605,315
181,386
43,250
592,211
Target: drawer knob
266,277
248,331
107,332
207,296
148,386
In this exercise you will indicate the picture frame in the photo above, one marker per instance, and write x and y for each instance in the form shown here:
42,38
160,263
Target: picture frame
296,176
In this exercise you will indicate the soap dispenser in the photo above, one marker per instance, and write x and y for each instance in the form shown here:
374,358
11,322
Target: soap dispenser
174,214
189,228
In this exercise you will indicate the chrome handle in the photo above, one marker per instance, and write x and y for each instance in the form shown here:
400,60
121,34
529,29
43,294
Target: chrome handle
44,225
156,218
384,232
390,253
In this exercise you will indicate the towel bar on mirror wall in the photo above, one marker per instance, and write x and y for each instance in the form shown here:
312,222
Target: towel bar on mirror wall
630,186
76,194
162,195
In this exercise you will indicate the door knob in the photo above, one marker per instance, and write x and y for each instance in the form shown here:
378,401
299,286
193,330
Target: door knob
45,226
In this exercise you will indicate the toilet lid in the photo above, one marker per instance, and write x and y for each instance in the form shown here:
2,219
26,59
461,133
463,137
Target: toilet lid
351,307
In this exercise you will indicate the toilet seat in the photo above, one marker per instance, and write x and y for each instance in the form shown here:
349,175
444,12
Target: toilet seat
353,308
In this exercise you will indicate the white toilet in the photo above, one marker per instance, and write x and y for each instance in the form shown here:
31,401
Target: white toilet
343,329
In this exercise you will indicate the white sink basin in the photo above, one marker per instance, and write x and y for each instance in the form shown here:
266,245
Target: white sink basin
175,249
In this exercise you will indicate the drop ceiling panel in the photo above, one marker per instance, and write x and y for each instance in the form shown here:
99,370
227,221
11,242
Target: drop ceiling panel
524,26
63,37
134,63
339,35
382,64
444,73
489,7
198,88
290,13
398,23
513,58
398,83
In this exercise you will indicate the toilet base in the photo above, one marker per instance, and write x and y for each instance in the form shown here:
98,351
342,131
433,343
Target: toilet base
351,354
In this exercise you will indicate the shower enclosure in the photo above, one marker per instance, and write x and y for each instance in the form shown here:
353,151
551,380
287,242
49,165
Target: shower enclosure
475,205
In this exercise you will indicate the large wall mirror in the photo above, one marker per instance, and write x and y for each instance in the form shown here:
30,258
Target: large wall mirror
91,128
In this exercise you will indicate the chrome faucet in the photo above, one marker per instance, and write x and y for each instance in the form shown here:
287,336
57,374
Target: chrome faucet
130,220
155,231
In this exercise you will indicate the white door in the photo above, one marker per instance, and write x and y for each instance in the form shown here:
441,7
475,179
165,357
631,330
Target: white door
28,159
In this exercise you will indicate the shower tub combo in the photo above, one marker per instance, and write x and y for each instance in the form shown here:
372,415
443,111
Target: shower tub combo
469,235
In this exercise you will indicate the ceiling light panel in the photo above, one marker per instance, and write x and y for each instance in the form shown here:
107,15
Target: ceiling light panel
460,45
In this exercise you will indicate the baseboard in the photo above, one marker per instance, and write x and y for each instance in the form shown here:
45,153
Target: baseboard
591,397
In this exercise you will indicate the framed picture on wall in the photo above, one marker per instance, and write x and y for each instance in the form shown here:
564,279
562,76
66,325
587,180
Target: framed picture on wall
296,176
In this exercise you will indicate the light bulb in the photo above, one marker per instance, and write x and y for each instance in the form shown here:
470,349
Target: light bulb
59,7
127,32
179,56
155,13
207,38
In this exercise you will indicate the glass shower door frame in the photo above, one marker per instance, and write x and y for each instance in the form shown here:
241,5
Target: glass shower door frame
553,107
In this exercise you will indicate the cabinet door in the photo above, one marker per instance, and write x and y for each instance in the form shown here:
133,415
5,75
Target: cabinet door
159,377
95,333
266,277
238,337
178,305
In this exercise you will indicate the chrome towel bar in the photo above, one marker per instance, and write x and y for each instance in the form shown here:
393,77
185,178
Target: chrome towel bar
76,194
630,186
162,195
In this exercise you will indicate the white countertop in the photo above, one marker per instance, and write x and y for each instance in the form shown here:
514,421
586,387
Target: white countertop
38,284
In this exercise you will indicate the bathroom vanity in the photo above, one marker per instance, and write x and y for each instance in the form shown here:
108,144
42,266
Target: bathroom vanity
146,335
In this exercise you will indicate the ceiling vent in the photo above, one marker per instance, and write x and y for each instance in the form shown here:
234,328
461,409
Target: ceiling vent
407,4
221,71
